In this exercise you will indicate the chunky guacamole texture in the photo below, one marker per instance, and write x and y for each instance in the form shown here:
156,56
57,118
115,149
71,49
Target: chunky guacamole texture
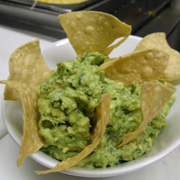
67,103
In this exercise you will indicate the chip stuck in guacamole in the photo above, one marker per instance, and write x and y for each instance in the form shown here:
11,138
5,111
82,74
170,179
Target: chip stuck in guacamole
93,111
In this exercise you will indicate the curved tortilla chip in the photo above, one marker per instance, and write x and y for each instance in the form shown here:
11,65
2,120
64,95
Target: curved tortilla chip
102,118
27,65
137,67
90,31
153,98
158,40
31,140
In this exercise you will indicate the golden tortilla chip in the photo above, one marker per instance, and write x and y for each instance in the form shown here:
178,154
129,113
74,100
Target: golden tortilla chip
90,31
102,118
27,65
158,40
145,65
153,98
31,140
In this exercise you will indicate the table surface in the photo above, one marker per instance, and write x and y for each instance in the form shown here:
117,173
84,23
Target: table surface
167,168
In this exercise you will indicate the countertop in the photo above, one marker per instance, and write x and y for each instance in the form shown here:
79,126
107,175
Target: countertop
166,169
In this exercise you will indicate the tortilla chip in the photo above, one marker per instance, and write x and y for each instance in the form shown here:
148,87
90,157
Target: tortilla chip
90,31
102,118
153,98
158,40
27,65
145,65
31,140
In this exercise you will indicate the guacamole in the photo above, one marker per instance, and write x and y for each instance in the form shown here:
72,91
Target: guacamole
67,103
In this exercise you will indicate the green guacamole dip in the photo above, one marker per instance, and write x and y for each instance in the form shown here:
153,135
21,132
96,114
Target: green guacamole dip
67,102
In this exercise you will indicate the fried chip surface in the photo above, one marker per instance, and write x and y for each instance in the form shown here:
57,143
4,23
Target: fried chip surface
158,40
27,65
90,31
102,118
31,140
145,65
153,98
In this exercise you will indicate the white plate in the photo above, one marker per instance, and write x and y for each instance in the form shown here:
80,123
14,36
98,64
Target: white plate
167,141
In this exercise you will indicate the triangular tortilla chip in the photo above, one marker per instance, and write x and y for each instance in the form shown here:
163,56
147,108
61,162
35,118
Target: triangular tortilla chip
90,31
27,65
153,98
31,140
158,41
145,65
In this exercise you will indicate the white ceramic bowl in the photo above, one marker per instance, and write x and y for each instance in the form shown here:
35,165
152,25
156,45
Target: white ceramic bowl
167,141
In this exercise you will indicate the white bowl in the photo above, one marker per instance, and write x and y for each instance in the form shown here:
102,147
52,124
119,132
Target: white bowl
167,141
